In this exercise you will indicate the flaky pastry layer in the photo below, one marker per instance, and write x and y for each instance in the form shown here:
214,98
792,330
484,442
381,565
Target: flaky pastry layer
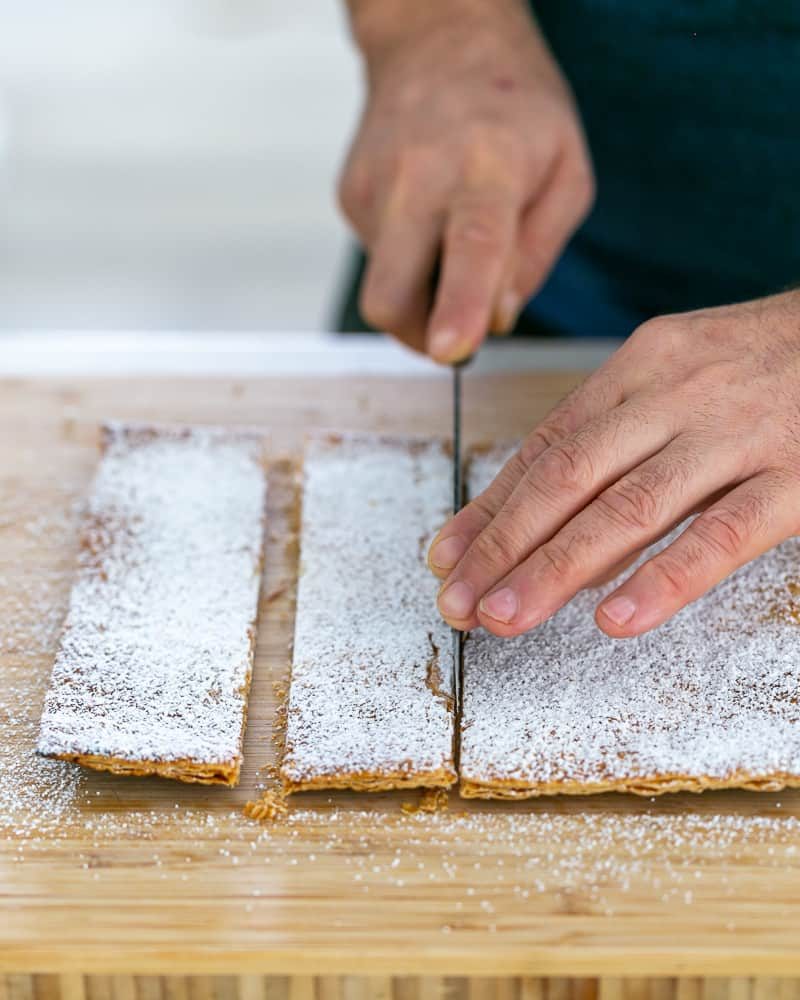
190,771
374,782
649,786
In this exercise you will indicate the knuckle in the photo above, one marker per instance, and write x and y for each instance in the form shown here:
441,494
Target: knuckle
559,559
496,547
726,530
566,467
478,134
415,165
478,227
462,308
479,214
507,479
545,436
377,307
706,381
631,503
481,506
490,148
353,194
664,334
668,576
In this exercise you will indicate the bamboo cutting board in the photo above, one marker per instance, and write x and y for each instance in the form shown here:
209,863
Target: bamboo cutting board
110,875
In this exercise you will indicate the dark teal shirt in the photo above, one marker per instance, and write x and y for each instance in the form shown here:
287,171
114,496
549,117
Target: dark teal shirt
692,111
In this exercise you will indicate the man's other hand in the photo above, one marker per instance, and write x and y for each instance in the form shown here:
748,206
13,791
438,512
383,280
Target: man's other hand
698,412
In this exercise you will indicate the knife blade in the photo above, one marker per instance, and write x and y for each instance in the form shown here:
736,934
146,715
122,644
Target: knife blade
458,500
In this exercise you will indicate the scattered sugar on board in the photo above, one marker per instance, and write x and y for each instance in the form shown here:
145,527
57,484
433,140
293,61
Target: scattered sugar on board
484,866
711,693
372,669
36,568
155,652
492,863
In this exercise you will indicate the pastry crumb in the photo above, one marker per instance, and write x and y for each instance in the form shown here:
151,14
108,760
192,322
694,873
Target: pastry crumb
432,800
278,591
270,807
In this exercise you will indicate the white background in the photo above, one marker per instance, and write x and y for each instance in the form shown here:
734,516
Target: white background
170,164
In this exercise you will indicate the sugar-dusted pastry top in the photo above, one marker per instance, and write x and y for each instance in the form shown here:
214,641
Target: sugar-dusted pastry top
708,700
153,667
370,701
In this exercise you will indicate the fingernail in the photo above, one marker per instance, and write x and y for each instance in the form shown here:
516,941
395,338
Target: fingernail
446,346
619,609
447,553
502,605
457,601
508,311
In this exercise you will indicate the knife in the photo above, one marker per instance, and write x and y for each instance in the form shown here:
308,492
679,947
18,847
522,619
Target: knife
458,502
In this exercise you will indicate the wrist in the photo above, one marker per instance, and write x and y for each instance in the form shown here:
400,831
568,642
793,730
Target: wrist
379,26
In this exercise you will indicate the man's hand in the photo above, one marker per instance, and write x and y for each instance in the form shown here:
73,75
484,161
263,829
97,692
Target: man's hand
695,412
469,154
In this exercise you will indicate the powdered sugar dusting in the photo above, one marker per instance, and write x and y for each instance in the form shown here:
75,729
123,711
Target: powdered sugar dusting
710,696
371,692
155,656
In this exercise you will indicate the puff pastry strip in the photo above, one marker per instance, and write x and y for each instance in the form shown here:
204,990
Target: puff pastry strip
370,700
709,700
154,663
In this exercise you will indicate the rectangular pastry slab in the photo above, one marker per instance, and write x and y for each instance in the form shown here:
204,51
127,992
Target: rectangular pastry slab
709,700
370,701
153,668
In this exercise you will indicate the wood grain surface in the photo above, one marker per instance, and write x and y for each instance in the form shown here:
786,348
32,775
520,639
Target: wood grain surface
255,987
104,877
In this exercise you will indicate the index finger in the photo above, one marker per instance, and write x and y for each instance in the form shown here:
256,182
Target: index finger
478,240
396,293
600,392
